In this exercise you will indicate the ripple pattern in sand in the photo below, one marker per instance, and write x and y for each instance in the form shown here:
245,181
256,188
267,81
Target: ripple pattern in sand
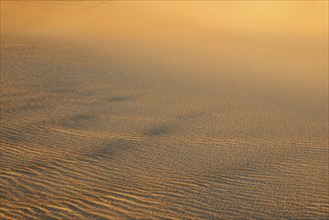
64,173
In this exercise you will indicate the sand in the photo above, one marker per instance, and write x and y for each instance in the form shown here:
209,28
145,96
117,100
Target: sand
169,119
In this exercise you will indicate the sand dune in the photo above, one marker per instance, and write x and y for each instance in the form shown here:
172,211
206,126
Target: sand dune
65,173
121,126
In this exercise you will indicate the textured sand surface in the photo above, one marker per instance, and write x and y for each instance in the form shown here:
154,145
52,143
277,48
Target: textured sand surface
119,111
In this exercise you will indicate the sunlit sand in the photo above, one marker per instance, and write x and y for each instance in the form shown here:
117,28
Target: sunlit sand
171,110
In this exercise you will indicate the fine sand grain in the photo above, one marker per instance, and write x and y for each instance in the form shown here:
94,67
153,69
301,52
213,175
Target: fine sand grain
119,111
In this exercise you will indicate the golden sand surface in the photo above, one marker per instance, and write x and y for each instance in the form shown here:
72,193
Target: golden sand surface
164,110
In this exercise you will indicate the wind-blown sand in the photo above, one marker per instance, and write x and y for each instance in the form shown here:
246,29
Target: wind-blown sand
159,119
